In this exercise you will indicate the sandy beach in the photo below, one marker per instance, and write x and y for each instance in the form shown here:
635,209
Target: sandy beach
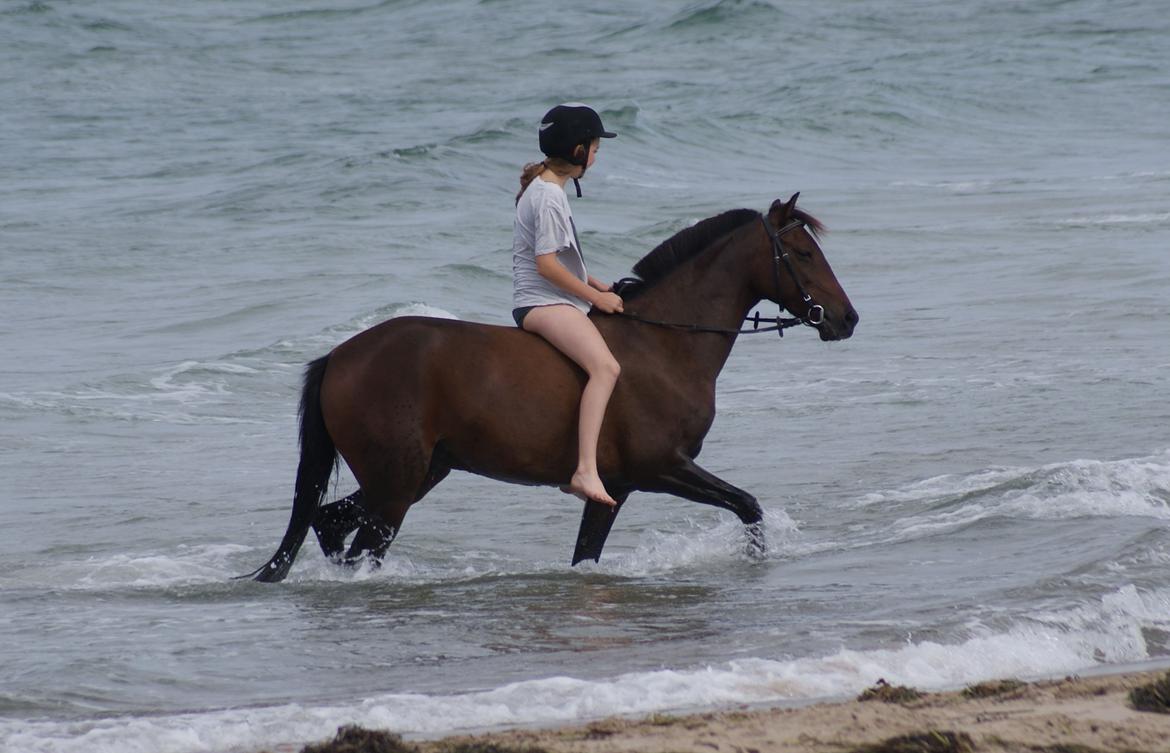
1070,715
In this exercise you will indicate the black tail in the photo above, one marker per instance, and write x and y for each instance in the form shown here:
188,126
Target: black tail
318,459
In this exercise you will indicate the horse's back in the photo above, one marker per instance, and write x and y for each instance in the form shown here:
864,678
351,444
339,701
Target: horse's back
443,345
491,394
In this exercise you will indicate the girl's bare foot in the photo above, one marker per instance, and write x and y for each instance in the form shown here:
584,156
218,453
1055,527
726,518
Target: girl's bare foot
588,487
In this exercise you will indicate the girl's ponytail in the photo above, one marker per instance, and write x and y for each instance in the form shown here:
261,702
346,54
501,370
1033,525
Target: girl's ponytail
530,171
561,167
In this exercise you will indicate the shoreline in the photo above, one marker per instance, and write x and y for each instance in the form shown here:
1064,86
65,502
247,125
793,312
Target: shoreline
1090,713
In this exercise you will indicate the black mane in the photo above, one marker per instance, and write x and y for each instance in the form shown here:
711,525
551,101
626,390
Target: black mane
690,242
686,244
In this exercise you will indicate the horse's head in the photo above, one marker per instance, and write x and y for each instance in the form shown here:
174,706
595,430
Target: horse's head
798,275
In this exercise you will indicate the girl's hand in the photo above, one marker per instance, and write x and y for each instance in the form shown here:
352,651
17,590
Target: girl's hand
609,303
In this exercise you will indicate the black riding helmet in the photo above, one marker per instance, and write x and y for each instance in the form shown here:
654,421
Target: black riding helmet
567,126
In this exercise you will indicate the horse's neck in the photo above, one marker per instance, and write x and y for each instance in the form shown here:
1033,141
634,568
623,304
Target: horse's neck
710,290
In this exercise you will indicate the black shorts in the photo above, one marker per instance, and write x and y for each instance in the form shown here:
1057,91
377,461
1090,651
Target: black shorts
520,313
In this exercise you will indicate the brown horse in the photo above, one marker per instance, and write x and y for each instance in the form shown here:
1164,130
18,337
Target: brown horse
410,399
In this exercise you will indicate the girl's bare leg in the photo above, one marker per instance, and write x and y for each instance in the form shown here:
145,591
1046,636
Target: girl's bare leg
571,332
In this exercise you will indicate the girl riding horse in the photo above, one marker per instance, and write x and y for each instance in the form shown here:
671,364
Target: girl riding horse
552,291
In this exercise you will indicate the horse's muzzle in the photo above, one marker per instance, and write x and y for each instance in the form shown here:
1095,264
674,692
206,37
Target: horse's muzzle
834,327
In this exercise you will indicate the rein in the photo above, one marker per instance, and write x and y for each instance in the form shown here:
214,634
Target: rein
816,313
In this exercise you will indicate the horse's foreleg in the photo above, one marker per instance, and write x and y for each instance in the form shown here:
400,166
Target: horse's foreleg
336,521
689,481
596,520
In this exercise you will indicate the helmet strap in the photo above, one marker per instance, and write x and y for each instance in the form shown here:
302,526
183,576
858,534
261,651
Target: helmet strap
583,163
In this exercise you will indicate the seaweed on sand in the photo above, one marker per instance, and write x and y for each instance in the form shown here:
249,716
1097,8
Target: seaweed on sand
1152,697
487,747
355,739
887,693
931,741
993,688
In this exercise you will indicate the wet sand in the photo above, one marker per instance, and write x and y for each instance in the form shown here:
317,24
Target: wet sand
1071,715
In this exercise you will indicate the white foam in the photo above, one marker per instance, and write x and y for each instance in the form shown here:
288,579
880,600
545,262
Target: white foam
172,390
185,566
973,185
696,542
414,308
421,309
1108,631
329,338
1076,489
1154,218
189,565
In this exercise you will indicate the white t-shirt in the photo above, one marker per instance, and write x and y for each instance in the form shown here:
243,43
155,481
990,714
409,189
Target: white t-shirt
544,225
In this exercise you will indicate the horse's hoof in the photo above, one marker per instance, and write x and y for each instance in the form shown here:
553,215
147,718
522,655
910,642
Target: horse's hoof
757,549
273,571
364,559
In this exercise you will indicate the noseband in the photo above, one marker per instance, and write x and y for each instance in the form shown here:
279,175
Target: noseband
814,316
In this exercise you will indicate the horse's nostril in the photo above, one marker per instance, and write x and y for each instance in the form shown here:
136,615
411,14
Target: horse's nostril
852,318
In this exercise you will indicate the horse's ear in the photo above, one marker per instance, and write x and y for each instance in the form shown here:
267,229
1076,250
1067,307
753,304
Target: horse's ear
784,207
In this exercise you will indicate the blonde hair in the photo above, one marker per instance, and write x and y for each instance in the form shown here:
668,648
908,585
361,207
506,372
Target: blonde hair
562,167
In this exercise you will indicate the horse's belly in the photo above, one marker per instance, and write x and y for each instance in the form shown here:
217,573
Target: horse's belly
514,443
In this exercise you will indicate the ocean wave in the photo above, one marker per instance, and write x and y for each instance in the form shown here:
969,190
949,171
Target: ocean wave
470,272
722,12
1111,220
36,7
315,14
1060,491
969,186
1016,184
1109,630
296,350
206,391
177,394
437,151
184,565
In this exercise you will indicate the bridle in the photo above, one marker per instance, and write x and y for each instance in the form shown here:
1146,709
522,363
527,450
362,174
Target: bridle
814,316
816,312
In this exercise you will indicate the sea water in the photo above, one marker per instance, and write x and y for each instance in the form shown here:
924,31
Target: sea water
199,198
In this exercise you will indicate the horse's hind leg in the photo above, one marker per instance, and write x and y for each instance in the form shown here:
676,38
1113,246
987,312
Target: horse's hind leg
373,539
379,528
337,520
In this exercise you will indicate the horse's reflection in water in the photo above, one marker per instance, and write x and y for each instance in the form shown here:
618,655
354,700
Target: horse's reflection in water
410,399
